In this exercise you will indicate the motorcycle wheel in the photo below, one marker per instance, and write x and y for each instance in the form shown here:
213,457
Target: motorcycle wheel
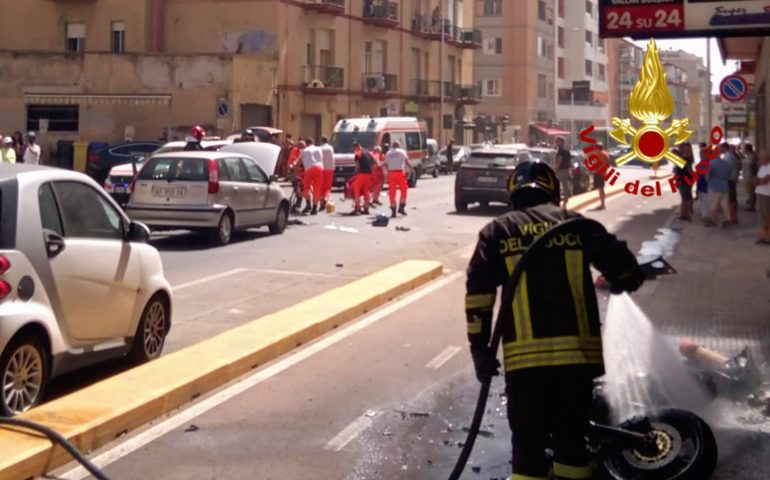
686,450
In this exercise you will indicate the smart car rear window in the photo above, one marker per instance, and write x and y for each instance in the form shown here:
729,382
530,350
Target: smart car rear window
181,169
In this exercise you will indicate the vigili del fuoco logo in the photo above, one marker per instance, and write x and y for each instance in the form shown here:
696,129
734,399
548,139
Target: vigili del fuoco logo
651,103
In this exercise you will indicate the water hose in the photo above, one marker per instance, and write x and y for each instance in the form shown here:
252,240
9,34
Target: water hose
56,438
494,343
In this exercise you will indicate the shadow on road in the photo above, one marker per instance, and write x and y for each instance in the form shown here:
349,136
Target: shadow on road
190,241
481,211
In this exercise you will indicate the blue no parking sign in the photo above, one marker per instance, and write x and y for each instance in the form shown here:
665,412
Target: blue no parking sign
734,88
223,108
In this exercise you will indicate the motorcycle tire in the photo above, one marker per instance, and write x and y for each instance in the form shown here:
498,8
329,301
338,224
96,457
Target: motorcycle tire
687,450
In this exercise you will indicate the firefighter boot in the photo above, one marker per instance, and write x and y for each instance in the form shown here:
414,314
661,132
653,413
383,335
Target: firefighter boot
402,209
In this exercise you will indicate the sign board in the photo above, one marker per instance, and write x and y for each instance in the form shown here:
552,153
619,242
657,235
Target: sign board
733,88
736,119
223,123
411,107
392,109
223,108
734,109
683,18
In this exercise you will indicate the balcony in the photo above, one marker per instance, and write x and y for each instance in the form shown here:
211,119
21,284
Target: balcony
381,13
467,94
427,27
323,79
380,85
334,7
426,90
466,37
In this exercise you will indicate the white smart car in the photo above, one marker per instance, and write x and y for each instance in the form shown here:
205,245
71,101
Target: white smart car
78,283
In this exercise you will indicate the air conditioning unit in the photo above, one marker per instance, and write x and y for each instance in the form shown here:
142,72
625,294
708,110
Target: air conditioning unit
375,82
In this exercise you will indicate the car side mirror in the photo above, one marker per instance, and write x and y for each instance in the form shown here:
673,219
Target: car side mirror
54,243
137,232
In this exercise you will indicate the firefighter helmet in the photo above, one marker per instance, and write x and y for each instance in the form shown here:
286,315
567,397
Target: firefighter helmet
533,176
198,132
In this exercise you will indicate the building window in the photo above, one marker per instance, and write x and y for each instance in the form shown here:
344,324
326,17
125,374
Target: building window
589,68
326,47
310,47
493,46
76,37
118,40
600,42
601,71
491,88
541,10
560,36
560,67
590,8
491,8
589,38
541,83
542,47
61,118
561,8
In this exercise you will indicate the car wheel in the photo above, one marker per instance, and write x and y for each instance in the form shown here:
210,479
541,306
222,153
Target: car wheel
435,172
223,233
152,330
461,205
277,227
24,367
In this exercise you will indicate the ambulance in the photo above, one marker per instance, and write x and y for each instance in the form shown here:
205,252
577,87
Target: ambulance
371,132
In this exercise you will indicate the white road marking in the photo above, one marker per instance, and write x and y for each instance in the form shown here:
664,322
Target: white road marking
208,278
292,272
443,357
349,433
183,417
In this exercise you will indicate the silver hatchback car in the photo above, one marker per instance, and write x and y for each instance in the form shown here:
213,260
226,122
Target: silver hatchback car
217,192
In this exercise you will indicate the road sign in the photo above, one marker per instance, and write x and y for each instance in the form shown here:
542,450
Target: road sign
733,88
223,108
223,123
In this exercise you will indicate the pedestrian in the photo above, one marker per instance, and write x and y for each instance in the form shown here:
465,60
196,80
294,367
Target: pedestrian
552,336
327,156
563,161
435,19
598,177
248,136
6,150
312,161
684,181
396,162
703,201
763,197
751,166
732,184
378,176
18,145
363,180
719,175
450,156
296,173
194,139
282,170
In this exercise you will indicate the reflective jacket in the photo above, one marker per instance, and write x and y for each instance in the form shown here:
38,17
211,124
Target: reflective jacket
552,318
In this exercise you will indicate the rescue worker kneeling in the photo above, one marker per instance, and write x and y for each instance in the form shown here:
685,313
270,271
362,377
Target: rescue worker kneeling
551,329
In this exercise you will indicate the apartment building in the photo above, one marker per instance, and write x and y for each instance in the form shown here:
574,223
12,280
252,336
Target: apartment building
582,80
515,70
696,89
106,69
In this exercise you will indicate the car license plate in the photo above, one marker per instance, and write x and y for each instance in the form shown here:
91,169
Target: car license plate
339,179
120,189
169,191
487,179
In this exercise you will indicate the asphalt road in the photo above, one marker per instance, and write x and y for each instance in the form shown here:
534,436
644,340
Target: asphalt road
386,397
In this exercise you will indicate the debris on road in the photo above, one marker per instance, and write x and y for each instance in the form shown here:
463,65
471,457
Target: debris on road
192,428
476,469
482,432
405,415
402,229
297,221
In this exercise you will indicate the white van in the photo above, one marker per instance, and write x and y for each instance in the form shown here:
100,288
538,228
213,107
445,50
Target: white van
370,132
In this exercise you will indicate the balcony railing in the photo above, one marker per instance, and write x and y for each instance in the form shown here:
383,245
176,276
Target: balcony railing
380,83
325,6
467,94
383,13
324,78
429,27
426,89
466,37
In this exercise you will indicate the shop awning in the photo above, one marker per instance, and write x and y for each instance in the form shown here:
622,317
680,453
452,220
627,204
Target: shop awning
95,99
549,130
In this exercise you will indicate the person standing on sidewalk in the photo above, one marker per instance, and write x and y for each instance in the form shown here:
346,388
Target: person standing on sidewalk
327,156
599,178
702,188
563,161
732,184
551,329
6,150
719,176
396,162
751,166
684,177
450,159
763,197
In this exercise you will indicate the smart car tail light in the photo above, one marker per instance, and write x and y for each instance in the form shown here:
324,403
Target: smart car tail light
213,177
5,289
5,265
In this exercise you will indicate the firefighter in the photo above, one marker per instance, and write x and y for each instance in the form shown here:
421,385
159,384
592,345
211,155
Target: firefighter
396,161
363,180
312,183
194,140
327,155
551,329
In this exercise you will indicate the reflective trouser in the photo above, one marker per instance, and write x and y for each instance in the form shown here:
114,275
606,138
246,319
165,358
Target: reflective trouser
397,180
314,177
377,179
326,189
547,410
361,188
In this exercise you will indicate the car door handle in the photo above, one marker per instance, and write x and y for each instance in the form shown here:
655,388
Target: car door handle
54,243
